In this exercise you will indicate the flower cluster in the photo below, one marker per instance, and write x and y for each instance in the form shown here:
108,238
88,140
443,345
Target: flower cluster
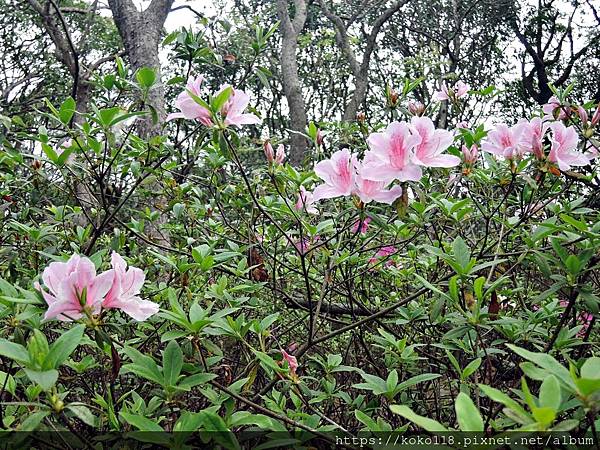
232,112
74,290
528,137
459,90
398,153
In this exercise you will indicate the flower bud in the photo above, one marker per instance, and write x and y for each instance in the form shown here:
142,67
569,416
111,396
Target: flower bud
394,96
36,164
360,117
280,154
596,117
582,113
269,152
319,138
416,108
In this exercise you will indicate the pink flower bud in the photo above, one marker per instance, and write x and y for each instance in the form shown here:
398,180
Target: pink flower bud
582,113
269,152
596,117
280,154
416,108
470,154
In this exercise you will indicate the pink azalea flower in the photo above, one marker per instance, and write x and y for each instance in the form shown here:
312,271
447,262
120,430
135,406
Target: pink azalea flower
233,109
392,153
337,173
291,360
504,141
306,201
74,288
459,90
532,139
124,294
563,149
384,252
369,190
554,110
280,154
361,226
428,152
470,154
188,106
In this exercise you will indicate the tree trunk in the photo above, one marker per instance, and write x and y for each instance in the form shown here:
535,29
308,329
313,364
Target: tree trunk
291,82
140,32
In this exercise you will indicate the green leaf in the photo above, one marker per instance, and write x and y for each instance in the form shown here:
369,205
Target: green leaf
33,420
83,413
471,368
591,368
45,378
550,393
467,414
220,99
67,109
172,363
146,77
418,379
547,362
62,348
14,351
462,253
195,380
500,397
140,422
427,424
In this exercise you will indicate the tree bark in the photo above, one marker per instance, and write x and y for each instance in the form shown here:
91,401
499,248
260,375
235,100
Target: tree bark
140,32
292,86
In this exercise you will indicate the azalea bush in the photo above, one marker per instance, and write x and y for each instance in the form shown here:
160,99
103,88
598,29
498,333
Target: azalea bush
407,277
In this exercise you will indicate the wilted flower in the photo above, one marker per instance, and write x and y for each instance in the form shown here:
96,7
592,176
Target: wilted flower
360,117
124,294
291,361
319,137
384,252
